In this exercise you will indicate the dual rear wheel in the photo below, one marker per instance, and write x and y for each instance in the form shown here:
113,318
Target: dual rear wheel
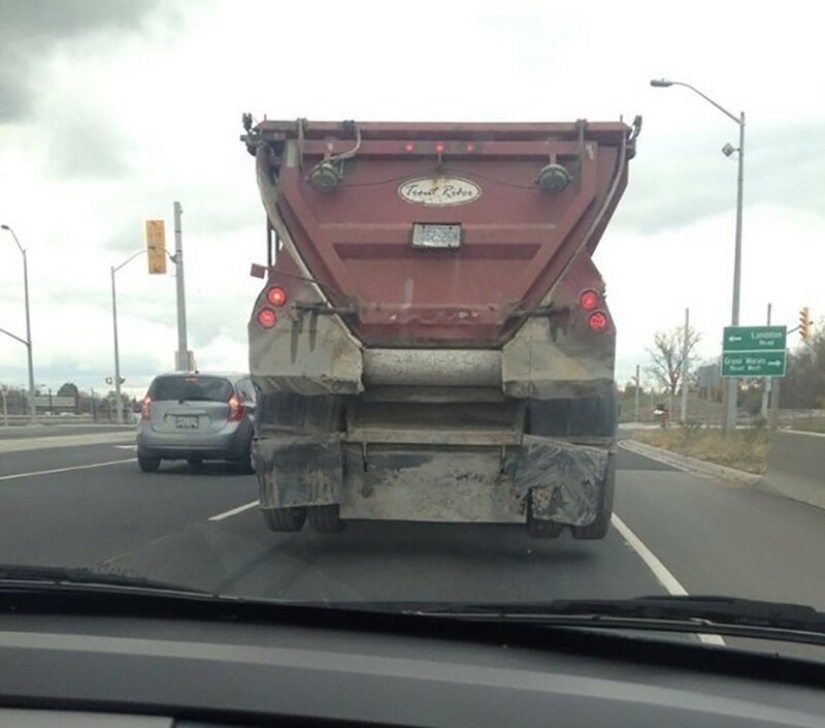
323,519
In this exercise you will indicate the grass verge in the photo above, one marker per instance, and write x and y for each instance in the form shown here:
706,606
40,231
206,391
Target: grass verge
743,449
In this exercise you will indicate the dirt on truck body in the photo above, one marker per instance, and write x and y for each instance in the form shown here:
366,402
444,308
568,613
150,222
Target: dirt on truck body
432,342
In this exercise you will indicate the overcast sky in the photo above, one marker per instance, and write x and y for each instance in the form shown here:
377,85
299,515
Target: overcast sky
112,110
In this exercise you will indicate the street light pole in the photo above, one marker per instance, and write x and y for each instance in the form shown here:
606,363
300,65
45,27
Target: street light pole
32,407
729,419
182,357
117,352
118,403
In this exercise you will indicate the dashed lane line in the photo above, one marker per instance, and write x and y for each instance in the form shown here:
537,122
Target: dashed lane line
36,473
234,511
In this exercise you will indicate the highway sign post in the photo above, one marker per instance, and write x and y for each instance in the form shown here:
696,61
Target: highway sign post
754,351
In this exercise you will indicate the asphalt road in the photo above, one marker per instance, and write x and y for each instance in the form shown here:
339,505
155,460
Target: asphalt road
90,505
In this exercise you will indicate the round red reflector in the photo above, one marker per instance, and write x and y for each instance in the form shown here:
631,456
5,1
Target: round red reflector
267,318
589,300
471,148
597,321
276,296
439,147
409,147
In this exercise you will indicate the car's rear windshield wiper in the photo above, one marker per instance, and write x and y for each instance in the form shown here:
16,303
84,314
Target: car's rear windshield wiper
701,614
13,575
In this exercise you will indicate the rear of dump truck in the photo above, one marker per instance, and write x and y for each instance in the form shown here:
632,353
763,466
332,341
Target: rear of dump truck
433,342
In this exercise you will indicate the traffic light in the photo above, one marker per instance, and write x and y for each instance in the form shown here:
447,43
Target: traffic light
805,324
156,246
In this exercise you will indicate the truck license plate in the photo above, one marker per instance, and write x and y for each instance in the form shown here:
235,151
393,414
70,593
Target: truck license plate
186,422
436,236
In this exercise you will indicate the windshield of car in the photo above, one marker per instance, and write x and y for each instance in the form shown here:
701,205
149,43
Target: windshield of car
521,301
191,389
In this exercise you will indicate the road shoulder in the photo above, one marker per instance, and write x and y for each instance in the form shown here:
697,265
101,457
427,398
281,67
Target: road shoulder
689,464
49,442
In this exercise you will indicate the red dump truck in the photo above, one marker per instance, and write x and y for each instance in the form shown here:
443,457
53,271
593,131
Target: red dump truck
432,342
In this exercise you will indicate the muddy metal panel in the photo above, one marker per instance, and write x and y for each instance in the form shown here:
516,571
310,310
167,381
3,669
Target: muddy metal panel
561,356
439,234
434,483
410,484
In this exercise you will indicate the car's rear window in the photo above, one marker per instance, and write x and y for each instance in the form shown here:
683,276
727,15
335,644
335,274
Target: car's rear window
191,388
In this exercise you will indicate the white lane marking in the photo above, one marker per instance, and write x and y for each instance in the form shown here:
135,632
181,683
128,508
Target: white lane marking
66,470
126,447
665,578
234,511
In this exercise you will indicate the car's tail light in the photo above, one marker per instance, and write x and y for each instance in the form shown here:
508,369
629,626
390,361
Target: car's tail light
146,408
236,409
276,296
597,321
589,300
267,318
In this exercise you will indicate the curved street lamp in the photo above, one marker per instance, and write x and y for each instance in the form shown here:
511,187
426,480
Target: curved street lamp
730,411
28,341
117,382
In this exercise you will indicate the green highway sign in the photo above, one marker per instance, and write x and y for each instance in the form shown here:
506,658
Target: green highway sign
753,364
755,338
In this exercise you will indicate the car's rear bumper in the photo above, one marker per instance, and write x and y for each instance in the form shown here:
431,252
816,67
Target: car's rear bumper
225,445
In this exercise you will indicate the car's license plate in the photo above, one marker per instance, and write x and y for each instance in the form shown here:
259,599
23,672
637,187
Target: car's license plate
186,422
436,236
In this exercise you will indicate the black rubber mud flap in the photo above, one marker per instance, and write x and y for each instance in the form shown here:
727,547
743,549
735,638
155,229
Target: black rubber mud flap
601,525
540,528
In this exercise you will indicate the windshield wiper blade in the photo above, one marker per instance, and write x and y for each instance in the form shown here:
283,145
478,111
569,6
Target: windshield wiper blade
13,575
696,613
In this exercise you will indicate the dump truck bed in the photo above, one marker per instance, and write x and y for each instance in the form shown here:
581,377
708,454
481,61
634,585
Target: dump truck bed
439,234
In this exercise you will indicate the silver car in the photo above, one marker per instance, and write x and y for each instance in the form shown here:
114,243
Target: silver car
197,416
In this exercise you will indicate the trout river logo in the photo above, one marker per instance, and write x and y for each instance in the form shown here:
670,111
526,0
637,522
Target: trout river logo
439,191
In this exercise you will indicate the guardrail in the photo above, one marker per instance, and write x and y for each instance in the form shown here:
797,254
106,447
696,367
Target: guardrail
796,466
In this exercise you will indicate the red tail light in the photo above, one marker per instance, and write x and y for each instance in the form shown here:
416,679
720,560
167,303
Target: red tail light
267,318
597,321
236,409
146,408
589,300
276,296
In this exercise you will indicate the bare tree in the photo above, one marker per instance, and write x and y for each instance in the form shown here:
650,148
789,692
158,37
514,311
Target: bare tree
668,354
804,385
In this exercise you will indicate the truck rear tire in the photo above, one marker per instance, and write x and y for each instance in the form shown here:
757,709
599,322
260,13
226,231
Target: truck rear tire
325,519
594,416
601,525
288,520
540,528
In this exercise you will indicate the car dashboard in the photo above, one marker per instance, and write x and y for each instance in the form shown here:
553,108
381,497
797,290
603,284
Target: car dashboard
114,668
